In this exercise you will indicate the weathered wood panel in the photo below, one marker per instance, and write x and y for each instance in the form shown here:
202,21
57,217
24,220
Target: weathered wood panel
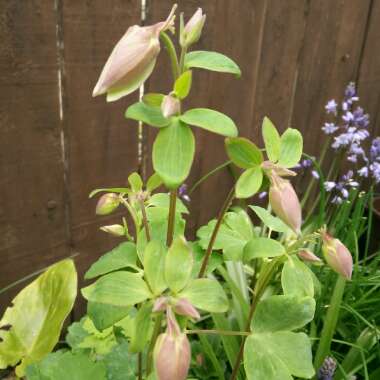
101,145
33,224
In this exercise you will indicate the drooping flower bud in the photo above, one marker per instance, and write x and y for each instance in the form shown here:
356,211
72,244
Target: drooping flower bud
114,229
172,352
160,304
338,257
170,106
184,307
132,60
284,202
107,203
278,169
192,31
309,256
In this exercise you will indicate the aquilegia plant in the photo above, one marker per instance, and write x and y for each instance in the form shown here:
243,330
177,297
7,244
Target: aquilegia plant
234,303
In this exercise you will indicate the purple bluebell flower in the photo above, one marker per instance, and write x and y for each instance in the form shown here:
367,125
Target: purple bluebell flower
327,369
182,193
262,195
330,128
315,174
331,106
341,189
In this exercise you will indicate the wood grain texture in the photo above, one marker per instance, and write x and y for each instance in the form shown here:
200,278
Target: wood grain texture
33,223
101,145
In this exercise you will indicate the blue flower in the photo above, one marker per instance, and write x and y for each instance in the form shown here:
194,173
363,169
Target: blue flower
327,369
331,107
330,128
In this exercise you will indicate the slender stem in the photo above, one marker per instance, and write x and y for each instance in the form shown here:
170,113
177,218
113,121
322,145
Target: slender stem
145,220
330,322
132,213
171,220
222,212
139,364
218,332
262,283
182,60
172,54
210,173
370,216
156,332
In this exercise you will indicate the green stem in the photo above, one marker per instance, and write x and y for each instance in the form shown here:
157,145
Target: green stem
370,216
171,220
210,246
133,215
210,173
156,333
145,220
172,54
330,323
182,60
262,283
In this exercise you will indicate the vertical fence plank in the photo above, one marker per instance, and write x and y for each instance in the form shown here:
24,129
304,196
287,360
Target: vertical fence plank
369,74
32,213
101,145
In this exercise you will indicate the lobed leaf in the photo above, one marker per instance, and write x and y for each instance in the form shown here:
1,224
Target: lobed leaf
272,222
243,153
249,182
259,247
291,148
272,140
147,114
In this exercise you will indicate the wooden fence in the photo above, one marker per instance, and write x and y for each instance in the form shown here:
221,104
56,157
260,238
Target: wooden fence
58,143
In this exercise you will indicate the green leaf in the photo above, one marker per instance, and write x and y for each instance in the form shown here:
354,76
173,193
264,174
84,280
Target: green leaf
182,85
36,317
243,153
291,148
260,247
104,316
153,99
118,289
120,364
213,61
161,201
281,313
249,182
271,140
215,260
234,233
135,182
154,182
296,279
122,256
210,120
67,366
206,294
154,266
178,264
142,329
278,356
173,153
272,222
147,114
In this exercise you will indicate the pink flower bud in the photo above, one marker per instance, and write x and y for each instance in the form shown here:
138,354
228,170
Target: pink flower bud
114,229
337,255
285,203
172,352
132,60
192,31
160,304
309,256
107,203
170,106
278,169
184,307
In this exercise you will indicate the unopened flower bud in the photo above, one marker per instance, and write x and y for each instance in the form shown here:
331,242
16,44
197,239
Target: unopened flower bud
160,304
184,307
285,203
309,256
107,203
132,60
170,106
172,352
114,229
337,255
192,31
278,169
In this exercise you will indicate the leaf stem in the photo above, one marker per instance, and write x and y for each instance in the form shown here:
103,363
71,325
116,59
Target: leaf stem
171,220
145,220
172,54
211,243
132,213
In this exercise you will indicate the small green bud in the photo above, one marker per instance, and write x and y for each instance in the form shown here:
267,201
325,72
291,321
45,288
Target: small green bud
191,32
114,229
107,203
